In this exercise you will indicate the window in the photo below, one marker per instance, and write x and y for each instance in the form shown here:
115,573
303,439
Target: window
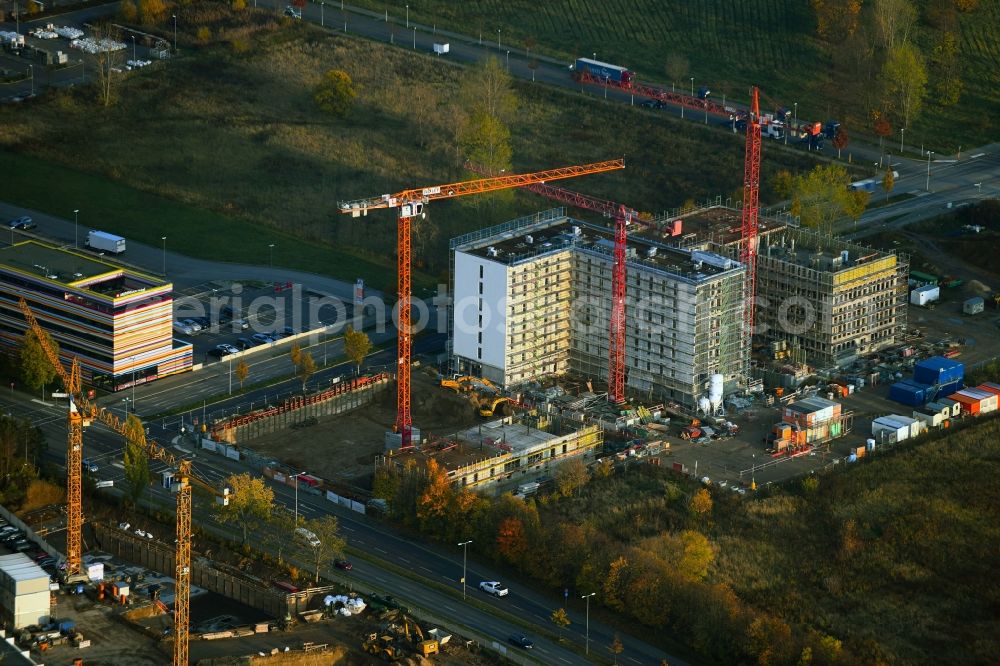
480,337
480,288
479,353
480,271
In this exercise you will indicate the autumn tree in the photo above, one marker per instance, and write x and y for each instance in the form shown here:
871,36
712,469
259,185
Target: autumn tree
242,371
151,11
108,63
881,127
250,502
894,21
305,369
357,346
888,181
36,369
836,19
434,501
822,196
616,647
946,69
128,11
571,476
840,140
295,354
560,618
136,458
701,503
331,544
512,541
335,93
905,77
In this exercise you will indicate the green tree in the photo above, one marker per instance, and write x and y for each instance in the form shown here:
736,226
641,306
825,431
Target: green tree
335,93
782,184
905,76
242,371
357,345
677,66
561,620
250,502
484,134
822,196
305,369
571,476
331,544
36,370
136,458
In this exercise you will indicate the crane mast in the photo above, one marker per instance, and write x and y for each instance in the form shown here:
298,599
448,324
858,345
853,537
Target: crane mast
748,246
410,203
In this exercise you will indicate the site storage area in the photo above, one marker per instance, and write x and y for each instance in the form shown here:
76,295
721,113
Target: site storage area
24,591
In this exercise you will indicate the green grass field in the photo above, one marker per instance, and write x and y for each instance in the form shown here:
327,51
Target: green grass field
730,46
226,154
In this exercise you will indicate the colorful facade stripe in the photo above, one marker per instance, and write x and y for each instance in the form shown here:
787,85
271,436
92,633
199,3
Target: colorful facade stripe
116,321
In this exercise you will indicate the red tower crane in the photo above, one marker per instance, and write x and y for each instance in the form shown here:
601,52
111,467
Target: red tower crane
751,192
409,204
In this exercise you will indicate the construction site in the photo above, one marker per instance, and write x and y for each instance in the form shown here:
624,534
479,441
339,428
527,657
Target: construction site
729,346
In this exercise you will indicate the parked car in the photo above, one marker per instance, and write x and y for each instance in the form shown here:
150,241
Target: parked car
243,324
219,351
192,324
24,223
293,12
261,338
343,564
287,331
496,588
521,641
181,327
243,344
89,465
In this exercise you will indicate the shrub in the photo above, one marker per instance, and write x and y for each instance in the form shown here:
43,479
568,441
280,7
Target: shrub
128,11
204,34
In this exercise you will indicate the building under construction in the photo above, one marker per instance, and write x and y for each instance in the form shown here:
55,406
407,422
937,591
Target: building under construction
532,298
821,300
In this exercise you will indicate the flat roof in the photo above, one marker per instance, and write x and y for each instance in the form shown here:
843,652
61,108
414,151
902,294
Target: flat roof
518,436
513,247
75,269
20,567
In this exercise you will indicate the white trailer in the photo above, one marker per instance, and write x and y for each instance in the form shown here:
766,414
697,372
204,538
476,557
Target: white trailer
105,242
925,295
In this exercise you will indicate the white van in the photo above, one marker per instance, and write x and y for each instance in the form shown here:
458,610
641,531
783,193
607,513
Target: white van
307,537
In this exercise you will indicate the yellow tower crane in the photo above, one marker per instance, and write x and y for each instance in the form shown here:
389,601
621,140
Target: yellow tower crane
81,413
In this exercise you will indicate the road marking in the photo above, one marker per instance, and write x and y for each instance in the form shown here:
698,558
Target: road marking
447,607
380,579
346,528
565,659
540,617
381,551
972,157
403,559
428,570
635,660
516,606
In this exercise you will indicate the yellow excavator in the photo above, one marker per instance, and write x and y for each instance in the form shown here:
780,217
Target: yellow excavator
465,383
492,406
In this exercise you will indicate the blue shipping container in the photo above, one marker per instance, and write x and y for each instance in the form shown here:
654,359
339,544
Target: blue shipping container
938,370
907,393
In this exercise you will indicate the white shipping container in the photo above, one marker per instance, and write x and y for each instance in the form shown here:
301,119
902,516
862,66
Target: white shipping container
925,295
888,431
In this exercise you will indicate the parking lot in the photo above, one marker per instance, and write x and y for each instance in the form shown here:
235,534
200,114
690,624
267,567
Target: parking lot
252,315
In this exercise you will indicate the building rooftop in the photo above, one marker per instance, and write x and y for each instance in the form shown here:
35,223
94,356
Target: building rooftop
717,223
20,567
73,268
513,243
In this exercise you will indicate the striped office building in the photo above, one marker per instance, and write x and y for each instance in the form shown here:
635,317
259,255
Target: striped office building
116,321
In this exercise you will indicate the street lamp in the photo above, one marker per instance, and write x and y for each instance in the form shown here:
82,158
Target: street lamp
125,403
175,32
76,220
587,597
692,86
31,68
928,184
498,40
465,552
414,38
795,118
296,477
979,188
322,18
407,16
164,239
508,61
901,130
270,255
133,50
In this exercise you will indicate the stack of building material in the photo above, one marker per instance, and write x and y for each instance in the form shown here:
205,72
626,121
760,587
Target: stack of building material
818,418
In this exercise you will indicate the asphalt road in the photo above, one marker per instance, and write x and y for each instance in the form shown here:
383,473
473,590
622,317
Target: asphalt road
431,563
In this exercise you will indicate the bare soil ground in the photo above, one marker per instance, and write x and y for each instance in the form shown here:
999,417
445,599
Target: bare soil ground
348,443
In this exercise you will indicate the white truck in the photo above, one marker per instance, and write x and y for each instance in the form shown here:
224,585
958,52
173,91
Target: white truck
105,242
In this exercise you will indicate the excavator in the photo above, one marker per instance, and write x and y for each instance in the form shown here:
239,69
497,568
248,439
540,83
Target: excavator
496,406
465,383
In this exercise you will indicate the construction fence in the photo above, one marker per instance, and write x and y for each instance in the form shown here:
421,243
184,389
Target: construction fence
297,410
